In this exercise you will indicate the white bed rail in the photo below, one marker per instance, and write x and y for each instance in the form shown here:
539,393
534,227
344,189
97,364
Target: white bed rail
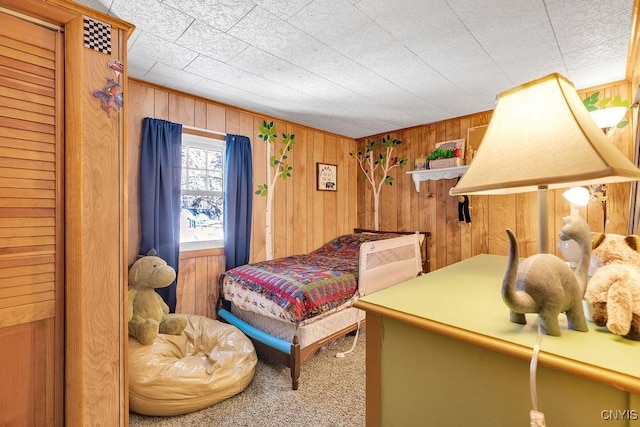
387,262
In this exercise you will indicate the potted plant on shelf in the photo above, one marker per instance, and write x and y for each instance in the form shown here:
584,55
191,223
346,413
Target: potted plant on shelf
444,157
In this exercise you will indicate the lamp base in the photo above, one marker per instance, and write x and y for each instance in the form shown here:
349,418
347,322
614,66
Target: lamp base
543,220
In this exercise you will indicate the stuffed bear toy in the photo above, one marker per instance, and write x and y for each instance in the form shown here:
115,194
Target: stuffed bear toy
614,289
148,313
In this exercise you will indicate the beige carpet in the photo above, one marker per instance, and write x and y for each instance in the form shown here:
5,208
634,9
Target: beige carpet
331,393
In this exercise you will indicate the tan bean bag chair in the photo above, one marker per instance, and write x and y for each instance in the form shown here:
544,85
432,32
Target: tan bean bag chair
177,374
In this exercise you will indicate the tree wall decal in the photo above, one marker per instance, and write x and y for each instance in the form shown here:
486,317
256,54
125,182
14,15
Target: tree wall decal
277,167
376,161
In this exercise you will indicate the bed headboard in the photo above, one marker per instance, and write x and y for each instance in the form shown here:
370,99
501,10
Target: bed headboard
424,244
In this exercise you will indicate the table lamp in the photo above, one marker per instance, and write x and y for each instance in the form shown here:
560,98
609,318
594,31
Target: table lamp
541,137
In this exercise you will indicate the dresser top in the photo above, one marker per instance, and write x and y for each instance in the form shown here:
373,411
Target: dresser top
463,301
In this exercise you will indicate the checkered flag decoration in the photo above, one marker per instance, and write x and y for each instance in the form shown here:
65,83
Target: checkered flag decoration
97,36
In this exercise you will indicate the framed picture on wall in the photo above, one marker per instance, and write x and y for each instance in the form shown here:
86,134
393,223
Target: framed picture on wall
327,177
420,164
474,138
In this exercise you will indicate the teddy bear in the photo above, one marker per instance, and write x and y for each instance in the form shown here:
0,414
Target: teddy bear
613,291
148,313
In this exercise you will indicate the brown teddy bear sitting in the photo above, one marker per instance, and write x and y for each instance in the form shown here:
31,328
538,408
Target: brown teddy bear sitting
614,289
148,313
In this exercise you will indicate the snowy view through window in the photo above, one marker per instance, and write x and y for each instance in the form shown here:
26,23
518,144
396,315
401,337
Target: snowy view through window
202,189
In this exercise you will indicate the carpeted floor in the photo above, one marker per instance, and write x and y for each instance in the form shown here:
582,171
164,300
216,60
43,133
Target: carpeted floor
331,393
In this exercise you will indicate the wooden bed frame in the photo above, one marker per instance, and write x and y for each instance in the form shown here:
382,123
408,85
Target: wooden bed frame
291,354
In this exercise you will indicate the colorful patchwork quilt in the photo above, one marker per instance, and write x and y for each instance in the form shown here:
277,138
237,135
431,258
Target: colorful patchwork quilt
310,284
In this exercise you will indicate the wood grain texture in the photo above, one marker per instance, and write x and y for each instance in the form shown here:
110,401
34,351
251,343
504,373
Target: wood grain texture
25,402
31,218
198,276
434,210
96,181
304,218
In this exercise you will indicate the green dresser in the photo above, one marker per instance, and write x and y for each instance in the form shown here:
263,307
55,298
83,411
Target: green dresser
442,352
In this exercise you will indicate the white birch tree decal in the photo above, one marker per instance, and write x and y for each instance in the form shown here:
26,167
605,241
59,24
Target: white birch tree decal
376,161
277,167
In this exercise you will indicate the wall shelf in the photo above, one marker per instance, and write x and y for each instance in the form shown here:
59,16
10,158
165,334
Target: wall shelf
434,174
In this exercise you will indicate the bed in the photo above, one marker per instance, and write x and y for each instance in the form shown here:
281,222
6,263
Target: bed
291,307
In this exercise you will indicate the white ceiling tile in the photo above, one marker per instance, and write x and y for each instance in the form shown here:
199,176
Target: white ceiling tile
202,37
246,81
221,14
99,5
344,19
272,68
598,21
330,64
599,73
172,77
266,31
231,95
138,66
152,16
284,9
134,36
513,37
441,93
362,67
153,47
597,54
370,84
356,36
293,45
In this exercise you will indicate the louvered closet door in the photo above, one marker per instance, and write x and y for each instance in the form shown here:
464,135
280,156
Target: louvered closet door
31,227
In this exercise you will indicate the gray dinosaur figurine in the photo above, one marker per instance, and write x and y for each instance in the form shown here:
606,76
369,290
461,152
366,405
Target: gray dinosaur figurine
546,285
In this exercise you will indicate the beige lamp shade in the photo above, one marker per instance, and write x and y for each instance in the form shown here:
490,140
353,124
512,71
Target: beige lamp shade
541,135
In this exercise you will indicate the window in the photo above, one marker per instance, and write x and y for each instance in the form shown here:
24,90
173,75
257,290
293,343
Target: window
201,192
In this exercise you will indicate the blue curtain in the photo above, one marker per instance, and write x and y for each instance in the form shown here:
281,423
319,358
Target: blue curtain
238,195
160,169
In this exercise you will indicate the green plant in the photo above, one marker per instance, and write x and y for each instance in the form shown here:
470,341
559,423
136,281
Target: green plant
441,153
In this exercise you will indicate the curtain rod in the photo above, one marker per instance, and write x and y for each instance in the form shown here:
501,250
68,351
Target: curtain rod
214,132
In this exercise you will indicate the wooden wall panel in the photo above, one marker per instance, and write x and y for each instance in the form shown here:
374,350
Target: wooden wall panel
259,152
304,218
200,114
318,196
216,117
142,101
186,292
434,210
198,278
301,193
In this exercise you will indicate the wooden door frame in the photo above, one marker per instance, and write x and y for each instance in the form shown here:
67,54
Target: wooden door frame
77,401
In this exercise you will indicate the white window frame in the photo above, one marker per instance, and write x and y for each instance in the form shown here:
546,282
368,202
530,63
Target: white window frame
192,140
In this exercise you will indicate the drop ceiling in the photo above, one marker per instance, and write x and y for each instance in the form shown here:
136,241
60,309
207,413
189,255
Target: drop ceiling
362,67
